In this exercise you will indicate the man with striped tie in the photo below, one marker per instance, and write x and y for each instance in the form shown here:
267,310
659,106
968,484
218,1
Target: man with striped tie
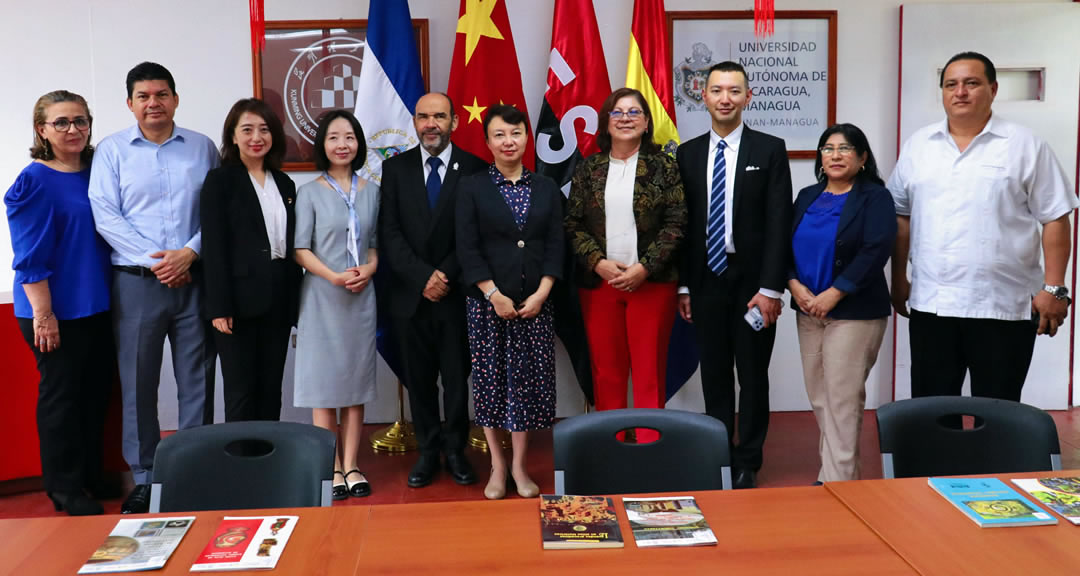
738,193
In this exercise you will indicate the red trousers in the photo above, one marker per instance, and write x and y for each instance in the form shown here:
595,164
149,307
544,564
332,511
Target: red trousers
628,333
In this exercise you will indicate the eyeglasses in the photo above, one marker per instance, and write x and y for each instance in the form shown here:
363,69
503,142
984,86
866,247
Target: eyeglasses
843,150
82,123
633,114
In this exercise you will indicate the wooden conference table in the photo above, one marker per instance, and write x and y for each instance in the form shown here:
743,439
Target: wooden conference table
769,531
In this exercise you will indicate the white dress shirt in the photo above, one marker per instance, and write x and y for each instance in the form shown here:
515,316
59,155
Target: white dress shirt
444,156
274,216
975,216
620,226
731,159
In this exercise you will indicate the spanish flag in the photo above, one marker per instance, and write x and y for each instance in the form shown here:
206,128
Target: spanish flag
649,69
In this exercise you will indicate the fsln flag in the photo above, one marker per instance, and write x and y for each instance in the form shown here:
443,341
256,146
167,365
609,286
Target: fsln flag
390,84
648,70
484,72
577,85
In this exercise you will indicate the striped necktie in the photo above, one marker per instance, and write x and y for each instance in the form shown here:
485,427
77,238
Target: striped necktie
716,241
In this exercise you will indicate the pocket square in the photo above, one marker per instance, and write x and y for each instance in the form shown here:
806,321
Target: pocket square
752,168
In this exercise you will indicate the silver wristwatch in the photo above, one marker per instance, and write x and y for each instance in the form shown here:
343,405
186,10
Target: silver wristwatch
1059,292
490,293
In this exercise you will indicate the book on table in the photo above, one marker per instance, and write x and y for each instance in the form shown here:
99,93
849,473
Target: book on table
1062,494
568,522
138,544
671,521
989,502
246,543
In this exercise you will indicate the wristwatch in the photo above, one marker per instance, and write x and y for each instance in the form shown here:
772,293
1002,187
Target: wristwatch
490,293
1059,292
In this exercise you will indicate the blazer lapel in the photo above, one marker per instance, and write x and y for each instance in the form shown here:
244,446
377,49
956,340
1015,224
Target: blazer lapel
804,204
740,170
851,207
254,207
449,182
599,184
414,187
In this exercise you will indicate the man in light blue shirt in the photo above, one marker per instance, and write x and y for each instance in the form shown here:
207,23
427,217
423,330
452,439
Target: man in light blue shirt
144,190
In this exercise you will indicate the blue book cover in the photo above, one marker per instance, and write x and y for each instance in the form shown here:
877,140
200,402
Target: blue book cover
990,502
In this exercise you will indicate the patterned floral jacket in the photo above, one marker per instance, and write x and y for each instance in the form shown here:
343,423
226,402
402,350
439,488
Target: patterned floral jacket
659,210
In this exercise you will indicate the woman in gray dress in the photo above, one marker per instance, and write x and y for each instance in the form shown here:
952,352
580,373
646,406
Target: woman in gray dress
335,243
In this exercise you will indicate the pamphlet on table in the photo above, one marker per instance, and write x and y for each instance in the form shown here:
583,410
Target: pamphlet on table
246,543
1062,495
674,521
569,522
989,502
138,544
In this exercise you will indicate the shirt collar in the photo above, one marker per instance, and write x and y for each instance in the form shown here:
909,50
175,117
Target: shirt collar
135,133
444,155
498,178
731,140
999,129
631,160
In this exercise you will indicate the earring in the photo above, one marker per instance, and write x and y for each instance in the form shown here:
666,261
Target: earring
48,149
821,173
863,167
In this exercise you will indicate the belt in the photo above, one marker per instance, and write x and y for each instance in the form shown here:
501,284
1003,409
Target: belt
136,270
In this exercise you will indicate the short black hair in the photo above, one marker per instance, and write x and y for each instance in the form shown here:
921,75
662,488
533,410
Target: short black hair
508,114
230,153
322,162
856,138
991,72
148,71
729,66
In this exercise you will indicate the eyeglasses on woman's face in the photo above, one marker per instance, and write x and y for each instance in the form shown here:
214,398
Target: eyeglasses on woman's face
631,114
843,150
62,124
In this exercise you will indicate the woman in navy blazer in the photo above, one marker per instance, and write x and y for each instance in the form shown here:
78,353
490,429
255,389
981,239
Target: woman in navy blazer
842,235
252,283
510,246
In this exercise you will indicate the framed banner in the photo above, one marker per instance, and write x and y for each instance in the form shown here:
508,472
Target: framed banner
309,67
792,74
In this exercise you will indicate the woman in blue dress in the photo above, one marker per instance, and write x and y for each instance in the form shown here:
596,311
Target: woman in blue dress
61,297
510,245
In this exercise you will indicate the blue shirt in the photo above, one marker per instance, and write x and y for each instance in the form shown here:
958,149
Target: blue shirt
145,196
814,242
53,237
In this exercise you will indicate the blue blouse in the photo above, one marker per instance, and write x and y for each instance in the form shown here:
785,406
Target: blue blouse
53,237
814,242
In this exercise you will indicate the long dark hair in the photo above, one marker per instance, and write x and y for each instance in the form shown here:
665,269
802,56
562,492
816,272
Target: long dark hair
230,153
603,137
856,138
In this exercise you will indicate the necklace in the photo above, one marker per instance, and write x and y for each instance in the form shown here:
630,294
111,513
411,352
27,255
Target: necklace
66,165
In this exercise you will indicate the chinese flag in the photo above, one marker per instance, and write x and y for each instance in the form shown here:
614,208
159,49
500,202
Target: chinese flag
483,73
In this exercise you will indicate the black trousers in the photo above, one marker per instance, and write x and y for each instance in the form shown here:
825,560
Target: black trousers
253,357
943,349
430,347
727,343
73,395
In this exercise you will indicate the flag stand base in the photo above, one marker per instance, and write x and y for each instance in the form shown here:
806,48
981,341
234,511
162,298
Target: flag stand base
479,441
397,437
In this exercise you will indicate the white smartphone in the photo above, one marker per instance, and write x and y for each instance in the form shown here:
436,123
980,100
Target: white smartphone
754,318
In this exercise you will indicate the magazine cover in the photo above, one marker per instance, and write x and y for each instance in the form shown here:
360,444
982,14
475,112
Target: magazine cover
1062,495
990,502
673,521
134,545
246,543
568,522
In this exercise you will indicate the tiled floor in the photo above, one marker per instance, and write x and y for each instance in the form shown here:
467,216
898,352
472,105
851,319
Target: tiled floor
790,460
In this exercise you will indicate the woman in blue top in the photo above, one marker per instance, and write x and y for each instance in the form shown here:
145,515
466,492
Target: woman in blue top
61,297
842,234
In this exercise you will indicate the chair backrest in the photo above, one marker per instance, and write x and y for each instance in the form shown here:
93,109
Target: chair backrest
923,437
238,465
691,454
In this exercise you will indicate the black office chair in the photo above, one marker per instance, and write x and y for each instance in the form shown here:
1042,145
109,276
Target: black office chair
921,437
691,454
240,465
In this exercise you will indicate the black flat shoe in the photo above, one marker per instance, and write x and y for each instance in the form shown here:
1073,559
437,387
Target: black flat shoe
340,491
423,472
360,488
75,503
138,502
460,469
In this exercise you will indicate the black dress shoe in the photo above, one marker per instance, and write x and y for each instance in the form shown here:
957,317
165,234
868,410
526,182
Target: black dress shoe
460,469
138,502
745,479
423,472
357,483
339,490
75,503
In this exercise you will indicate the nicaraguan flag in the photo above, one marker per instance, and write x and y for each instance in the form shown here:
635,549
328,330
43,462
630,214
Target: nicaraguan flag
390,84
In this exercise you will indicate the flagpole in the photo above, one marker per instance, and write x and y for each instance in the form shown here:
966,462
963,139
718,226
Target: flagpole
399,436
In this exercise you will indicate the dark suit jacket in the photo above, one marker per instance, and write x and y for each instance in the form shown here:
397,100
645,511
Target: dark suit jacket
864,242
413,239
236,250
659,212
761,220
490,245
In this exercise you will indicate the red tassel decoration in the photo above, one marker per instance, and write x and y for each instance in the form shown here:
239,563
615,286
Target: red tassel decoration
764,17
258,25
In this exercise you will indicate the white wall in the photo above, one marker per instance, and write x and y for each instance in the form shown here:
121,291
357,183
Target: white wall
90,44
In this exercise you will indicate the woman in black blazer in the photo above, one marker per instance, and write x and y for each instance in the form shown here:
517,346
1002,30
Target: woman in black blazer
252,283
510,246
842,234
